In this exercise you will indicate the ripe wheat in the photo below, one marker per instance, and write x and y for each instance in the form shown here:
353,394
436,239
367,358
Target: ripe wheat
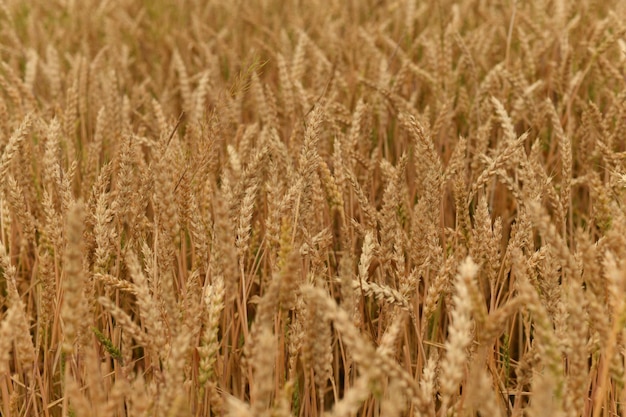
361,208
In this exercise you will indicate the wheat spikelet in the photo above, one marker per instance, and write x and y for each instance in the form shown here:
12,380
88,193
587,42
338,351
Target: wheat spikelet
24,348
26,94
459,335
13,145
74,306
317,351
550,234
166,208
71,109
577,331
126,181
298,61
7,331
17,201
286,85
75,397
371,217
213,305
564,144
237,408
391,206
486,246
13,93
30,72
114,282
547,342
174,398
103,231
52,70
263,371
431,186
482,395
380,292
358,393
367,253
151,317
331,189
199,97
183,81
244,221
438,287
289,262
428,380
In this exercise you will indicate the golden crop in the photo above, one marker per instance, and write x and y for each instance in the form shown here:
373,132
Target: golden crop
305,208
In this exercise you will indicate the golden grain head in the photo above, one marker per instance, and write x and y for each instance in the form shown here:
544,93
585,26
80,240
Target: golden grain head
312,208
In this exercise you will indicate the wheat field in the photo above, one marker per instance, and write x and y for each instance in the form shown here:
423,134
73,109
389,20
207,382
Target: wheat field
312,208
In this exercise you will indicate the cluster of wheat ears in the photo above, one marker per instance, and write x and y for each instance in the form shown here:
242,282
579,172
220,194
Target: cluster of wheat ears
303,208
